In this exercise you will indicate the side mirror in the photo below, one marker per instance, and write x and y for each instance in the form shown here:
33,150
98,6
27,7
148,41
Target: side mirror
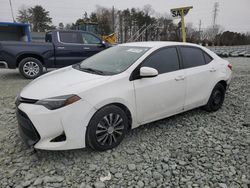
148,72
105,44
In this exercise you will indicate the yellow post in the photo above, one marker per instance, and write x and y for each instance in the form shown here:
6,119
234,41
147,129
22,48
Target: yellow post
181,12
183,26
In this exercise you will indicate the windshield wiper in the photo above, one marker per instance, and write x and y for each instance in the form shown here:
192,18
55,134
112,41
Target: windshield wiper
91,70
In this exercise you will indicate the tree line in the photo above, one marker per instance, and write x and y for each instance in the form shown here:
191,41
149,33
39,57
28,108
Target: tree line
134,25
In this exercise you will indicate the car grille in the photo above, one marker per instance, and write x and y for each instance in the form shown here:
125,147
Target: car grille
27,130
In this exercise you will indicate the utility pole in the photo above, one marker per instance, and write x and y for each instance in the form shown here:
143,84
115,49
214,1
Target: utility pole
215,13
121,26
12,11
199,30
113,19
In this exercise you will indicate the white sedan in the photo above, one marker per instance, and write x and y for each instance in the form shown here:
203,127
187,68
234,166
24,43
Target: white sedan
94,103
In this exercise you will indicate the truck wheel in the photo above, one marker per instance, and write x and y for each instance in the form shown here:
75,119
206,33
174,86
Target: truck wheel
30,68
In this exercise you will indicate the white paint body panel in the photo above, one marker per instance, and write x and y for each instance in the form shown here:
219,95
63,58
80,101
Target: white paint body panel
159,96
148,99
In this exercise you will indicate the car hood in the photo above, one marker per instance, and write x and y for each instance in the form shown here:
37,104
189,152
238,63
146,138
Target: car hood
61,82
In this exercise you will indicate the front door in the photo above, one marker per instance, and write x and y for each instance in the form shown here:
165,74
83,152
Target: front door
92,44
69,49
164,94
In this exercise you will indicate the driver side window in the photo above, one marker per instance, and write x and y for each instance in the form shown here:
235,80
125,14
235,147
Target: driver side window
90,39
164,60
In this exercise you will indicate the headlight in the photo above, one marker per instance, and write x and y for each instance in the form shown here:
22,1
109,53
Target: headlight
58,102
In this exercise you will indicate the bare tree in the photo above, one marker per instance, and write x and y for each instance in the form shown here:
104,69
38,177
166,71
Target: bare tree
148,10
210,33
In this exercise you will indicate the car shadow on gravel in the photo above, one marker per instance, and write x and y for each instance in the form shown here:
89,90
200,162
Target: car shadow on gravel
13,75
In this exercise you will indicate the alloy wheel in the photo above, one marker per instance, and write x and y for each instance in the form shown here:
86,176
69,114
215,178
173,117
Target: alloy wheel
31,68
109,129
217,97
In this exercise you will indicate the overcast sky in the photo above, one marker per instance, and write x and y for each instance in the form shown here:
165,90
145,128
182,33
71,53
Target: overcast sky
233,15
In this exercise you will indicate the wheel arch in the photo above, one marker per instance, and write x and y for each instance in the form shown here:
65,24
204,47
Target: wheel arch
127,112
23,56
121,106
115,104
222,82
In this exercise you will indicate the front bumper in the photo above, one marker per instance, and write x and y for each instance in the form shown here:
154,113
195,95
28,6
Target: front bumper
26,129
39,127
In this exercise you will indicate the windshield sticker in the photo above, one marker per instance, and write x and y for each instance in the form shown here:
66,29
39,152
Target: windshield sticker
135,50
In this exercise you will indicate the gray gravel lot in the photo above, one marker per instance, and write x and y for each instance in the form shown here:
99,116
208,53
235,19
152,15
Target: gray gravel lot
193,149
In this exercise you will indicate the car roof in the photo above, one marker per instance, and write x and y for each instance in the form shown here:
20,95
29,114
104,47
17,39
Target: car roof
71,31
158,44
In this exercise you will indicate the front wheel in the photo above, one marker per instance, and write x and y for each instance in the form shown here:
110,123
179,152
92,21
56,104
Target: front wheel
216,99
30,68
107,128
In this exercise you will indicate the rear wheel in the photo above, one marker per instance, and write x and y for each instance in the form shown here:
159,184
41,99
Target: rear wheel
30,68
107,128
216,99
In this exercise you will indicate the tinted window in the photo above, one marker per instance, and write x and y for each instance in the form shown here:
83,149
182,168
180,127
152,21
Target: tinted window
207,57
90,39
164,60
192,57
48,37
69,37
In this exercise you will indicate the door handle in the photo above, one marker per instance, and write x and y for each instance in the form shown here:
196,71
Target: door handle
86,48
60,47
212,70
179,78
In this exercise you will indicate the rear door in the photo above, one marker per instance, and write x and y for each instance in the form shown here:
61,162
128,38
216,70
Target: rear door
91,44
163,95
69,49
199,75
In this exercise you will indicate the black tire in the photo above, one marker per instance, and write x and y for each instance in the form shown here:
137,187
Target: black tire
100,135
30,68
216,99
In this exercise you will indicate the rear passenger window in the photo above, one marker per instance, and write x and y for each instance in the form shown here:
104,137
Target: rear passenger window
192,57
207,57
70,37
48,37
164,60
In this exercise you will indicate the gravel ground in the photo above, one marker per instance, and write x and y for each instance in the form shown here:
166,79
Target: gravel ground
193,149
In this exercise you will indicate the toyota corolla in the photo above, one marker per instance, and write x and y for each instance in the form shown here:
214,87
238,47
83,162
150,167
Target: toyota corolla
96,102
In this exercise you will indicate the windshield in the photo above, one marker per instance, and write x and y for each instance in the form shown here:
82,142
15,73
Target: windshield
113,60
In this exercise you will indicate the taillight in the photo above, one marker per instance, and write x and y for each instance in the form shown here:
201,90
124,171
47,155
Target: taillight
230,66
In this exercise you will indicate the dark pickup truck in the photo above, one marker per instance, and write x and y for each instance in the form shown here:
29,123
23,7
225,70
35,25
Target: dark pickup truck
60,49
